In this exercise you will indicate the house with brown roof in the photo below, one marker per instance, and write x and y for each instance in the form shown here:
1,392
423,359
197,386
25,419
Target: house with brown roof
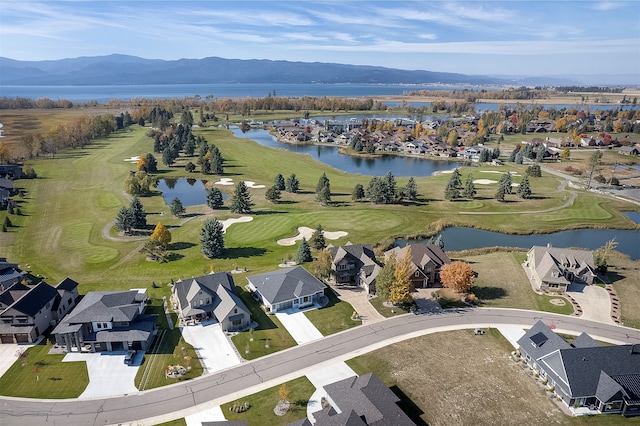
554,268
355,264
426,261
211,296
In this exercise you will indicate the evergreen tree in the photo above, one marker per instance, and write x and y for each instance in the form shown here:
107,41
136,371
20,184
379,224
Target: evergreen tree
540,154
385,278
324,196
241,200
500,193
512,156
212,239
151,163
469,187
410,191
214,198
161,234
321,183
176,207
519,158
534,170
189,147
376,190
272,194
317,239
190,167
278,182
139,215
216,162
168,156
524,189
452,191
304,252
358,192
124,220
485,156
292,184
506,182
391,192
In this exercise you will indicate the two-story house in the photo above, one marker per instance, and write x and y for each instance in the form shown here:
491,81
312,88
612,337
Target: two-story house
426,261
355,264
26,312
211,296
108,321
554,268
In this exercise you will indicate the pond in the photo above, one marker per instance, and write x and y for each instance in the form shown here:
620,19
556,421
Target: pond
191,192
329,155
634,216
459,238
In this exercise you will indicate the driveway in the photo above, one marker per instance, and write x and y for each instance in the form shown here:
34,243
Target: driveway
212,346
9,355
357,297
298,325
108,374
594,301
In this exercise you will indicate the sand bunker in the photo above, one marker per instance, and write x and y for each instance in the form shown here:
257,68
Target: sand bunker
133,159
497,171
252,184
305,232
224,181
227,223
484,181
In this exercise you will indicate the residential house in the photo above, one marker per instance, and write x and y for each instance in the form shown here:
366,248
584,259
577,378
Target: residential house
10,274
108,321
541,126
555,268
286,288
355,264
211,296
426,261
587,377
26,312
354,401
629,150
14,171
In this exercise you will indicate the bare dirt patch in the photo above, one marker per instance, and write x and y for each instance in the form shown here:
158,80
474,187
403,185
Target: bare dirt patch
458,378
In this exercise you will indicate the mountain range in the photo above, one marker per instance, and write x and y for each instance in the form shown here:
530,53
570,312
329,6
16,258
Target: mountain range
131,70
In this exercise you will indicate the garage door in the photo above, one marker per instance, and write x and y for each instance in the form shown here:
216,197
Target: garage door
22,338
6,338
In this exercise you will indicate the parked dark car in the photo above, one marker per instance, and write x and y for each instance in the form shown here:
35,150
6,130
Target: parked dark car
130,357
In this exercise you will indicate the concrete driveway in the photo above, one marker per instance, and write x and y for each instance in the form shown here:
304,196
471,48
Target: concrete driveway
298,325
212,346
108,374
594,301
357,297
9,355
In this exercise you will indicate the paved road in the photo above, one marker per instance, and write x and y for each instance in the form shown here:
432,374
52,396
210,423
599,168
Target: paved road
177,400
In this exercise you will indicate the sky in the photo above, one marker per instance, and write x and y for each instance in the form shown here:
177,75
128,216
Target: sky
478,37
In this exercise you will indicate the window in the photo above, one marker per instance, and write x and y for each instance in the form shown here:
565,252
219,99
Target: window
235,310
237,322
99,325
69,301
417,274
201,302
105,325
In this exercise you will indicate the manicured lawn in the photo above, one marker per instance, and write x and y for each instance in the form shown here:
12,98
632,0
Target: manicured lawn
177,422
334,317
270,336
40,375
386,311
625,276
169,348
262,404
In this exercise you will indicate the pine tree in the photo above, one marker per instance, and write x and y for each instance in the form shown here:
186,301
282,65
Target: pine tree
176,207
241,200
304,252
390,182
190,167
524,189
402,287
161,234
519,158
215,162
151,163
278,182
214,198
385,278
124,220
500,193
168,156
358,192
212,239
292,184
512,156
469,187
452,191
321,183
272,194
506,182
324,196
317,239
139,215
410,191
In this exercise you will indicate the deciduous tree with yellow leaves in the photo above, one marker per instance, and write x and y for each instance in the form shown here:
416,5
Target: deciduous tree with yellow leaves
457,276
402,287
161,234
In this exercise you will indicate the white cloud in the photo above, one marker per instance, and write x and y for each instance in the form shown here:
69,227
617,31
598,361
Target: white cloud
607,5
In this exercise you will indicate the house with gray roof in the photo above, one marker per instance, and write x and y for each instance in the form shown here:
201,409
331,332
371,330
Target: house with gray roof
355,264
211,296
27,311
10,274
286,288
108,321
426,261
586,376
554,268
355,401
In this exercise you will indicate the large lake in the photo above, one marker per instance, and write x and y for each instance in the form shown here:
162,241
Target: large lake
460,238
329,155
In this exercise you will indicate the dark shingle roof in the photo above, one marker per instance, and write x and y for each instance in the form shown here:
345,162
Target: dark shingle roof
105,306
286,284
35,299
67,284
13,293
552,343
